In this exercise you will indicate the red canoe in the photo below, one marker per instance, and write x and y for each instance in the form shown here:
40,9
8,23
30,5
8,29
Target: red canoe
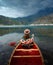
22,56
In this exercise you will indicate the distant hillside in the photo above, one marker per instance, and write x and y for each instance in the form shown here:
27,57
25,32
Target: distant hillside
43,16
42,20
7,21
45,20
30,19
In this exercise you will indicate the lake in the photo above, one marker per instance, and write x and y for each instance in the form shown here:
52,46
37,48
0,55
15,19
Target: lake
36,29
43,34
43,38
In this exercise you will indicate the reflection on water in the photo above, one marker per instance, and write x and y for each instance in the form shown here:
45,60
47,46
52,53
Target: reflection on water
43,41
37,30
43,35
10,37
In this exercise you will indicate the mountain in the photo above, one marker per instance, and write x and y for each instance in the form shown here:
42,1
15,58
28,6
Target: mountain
7,21
47,12
44,20
43,16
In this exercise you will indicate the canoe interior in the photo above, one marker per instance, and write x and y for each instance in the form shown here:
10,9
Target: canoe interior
30,56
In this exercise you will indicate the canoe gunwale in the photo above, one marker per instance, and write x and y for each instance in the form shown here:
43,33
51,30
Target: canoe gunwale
26,50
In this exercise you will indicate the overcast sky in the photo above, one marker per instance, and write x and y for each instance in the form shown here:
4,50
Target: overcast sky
21,8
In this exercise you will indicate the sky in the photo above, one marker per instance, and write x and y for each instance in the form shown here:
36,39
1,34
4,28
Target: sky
22,8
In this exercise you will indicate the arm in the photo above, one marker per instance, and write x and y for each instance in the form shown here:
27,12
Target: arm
32,37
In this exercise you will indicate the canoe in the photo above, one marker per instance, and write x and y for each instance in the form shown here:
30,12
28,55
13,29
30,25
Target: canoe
21,56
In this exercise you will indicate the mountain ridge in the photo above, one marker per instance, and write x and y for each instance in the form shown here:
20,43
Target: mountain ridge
38,18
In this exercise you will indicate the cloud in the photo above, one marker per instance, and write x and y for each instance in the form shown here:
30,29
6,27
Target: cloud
20,8
47,3
10,12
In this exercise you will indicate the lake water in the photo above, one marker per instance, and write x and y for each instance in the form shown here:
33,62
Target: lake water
43,35
43,38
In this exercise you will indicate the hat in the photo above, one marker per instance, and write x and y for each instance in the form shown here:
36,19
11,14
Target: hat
26,31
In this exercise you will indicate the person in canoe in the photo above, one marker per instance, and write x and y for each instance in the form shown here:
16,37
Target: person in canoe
27,40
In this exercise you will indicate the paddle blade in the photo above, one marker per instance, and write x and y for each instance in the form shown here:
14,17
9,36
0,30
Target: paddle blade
12,44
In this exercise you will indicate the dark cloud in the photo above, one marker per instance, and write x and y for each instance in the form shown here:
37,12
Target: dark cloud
23,7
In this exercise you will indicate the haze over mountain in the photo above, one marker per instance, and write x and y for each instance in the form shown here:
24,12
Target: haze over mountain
43,16
22,8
